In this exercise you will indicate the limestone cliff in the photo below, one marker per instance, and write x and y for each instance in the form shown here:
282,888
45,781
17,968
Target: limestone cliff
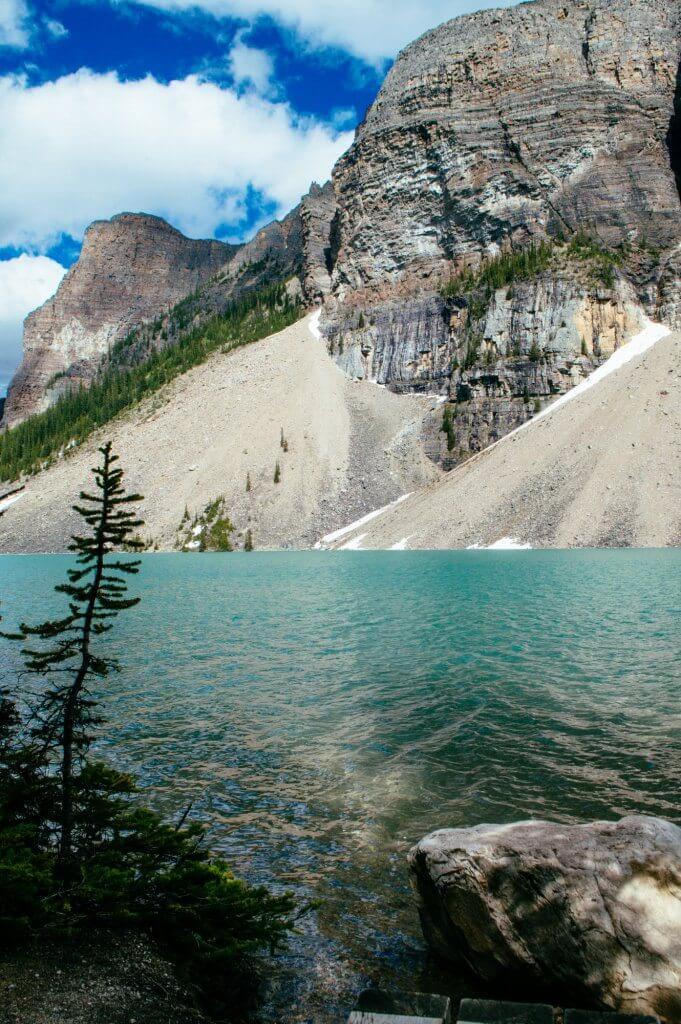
130,268
504,125
491,133
497,131
132,273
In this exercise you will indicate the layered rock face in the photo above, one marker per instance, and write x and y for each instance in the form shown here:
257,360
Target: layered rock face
492,132
133,269
504,125
593,911
130,268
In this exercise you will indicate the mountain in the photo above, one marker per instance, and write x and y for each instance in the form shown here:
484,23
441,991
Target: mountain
130,267
502,129
215,434
602,470
132,271
508,216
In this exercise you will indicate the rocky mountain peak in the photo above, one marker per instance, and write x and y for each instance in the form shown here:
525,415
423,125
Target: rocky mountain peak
130,268
504,125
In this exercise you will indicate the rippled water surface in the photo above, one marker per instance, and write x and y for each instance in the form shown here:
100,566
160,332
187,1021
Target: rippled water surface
326,710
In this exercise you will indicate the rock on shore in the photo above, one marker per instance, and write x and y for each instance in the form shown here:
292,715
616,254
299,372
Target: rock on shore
592,911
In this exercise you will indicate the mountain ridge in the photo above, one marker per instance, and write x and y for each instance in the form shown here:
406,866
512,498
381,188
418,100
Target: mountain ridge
507,217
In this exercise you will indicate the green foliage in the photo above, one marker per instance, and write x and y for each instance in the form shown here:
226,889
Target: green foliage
210,530
537,405
603,261
65,712
448,427
472,350
120,386
134,871
125,866
501,271
248,482
534,353
277,473
585,351
361,322
248,543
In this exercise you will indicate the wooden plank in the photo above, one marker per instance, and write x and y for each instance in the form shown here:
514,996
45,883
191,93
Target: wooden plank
364,1017
493,1011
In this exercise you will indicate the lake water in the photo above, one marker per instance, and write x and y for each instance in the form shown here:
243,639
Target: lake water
325,710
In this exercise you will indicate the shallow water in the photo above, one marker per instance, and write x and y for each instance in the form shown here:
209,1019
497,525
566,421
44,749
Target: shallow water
325,710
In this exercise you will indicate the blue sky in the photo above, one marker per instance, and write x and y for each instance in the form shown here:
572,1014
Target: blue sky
216,114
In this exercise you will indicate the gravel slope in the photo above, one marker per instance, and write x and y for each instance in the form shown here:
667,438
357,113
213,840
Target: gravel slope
353,447
604,470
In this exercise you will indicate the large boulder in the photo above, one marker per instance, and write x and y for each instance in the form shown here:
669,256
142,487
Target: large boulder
591,912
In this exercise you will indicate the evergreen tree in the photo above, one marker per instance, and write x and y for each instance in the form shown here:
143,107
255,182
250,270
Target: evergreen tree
248,482
277,473
248,544
76,848
96,588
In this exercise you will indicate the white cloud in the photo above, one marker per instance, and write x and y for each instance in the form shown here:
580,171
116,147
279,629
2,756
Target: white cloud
55,28
370,29
251,67
25,283
13,17
87,146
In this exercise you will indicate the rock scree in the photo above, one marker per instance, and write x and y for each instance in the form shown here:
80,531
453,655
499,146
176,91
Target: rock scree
589,911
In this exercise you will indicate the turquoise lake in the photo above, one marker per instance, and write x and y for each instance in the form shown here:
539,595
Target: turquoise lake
326,710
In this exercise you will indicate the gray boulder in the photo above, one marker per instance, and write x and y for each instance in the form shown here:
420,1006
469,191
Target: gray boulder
589,911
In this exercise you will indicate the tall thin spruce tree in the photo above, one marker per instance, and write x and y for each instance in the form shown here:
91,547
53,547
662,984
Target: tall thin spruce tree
66,712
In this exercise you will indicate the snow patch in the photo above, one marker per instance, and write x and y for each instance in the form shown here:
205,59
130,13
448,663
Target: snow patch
354,544
313,324
640,343
6,502
402,544
503,544
330,538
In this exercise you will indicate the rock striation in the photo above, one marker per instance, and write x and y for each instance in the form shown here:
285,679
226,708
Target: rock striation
590,910
493,132
496,131
134,269
131,267
504,125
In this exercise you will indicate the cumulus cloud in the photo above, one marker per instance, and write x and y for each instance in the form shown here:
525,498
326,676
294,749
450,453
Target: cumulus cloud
25,283
251,67
13,24
88,145
372,30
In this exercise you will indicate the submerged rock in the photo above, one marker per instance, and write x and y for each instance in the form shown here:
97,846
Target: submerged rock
592,911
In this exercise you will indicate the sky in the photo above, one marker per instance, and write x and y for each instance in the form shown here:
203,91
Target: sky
215,114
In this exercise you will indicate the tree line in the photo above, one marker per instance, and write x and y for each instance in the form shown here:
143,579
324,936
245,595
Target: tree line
118,387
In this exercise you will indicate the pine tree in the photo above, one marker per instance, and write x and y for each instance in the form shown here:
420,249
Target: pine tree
277,473
60,811
248,482
66,712
248,544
